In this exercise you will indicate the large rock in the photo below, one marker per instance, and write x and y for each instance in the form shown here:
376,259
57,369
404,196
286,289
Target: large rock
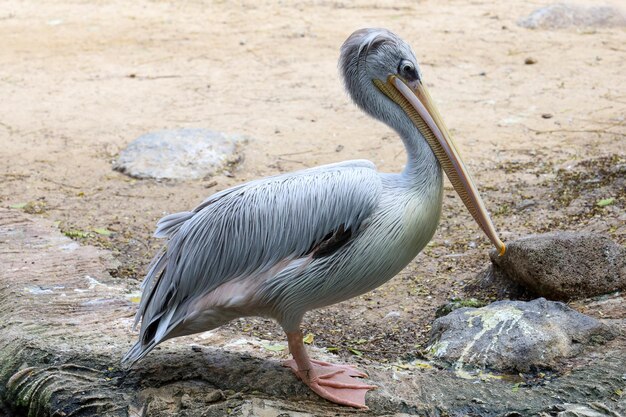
564,265
513,336
179,154
560,16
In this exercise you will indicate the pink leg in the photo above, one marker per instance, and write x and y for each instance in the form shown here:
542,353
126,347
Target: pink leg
336,383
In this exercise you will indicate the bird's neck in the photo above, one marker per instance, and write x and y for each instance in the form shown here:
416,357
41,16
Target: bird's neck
422,167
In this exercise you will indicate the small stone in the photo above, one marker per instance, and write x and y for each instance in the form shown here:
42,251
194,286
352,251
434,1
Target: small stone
214,396
180,154
530,61
564,265
235,396
210,184
186,401
392,315
547,116
524,204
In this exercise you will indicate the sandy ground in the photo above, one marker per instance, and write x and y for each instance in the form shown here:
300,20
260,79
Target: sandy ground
81,79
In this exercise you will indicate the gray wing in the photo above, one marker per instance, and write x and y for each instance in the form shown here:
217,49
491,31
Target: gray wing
246,230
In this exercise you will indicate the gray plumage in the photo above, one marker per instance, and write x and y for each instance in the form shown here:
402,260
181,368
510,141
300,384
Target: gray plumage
283,245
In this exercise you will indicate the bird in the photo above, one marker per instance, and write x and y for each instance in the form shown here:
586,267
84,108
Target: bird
280,246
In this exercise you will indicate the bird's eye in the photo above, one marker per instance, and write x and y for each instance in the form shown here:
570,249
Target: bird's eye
406,67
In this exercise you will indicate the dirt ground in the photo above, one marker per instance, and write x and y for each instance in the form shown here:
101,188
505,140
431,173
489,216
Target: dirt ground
538,115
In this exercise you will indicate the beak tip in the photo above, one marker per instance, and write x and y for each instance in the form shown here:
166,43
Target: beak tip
502,249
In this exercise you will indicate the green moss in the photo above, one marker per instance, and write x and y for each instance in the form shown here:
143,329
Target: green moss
457,303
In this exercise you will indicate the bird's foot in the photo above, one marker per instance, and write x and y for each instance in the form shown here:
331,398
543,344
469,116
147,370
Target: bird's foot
336,383
350,370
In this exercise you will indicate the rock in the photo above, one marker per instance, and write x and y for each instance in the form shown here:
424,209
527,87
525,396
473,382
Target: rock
564,265
513,336
179,154
392,315
560,16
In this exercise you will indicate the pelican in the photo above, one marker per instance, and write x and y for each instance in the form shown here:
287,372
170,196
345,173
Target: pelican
280,246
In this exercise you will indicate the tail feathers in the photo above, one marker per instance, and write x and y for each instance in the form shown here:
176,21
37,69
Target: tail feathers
157,331
156,319
140,349
168,225
136,352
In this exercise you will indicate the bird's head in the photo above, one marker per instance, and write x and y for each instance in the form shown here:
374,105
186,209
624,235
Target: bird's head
375,54
381,74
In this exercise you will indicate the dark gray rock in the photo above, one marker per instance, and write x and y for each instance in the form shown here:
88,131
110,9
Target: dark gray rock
564,265
514,336
179,154
560,16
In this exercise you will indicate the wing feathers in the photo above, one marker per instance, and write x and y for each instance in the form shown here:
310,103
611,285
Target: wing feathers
248,229
170,224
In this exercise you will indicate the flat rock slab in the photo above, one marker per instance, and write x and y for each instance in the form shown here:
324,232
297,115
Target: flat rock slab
564,265
513,336
561,16
180,154
65,324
